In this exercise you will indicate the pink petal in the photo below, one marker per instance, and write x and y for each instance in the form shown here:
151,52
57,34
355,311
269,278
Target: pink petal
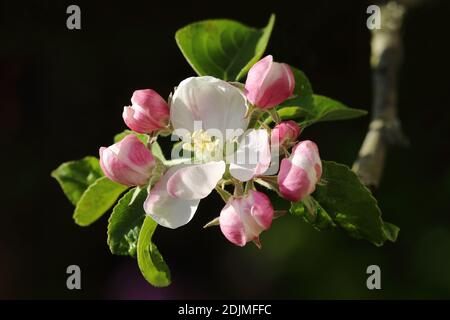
255,78
262,210
232,225
127,162
293,181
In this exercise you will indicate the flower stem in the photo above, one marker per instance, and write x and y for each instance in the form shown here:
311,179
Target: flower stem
250,185
274,115
269,182
249,112
225,195
310,207
238,189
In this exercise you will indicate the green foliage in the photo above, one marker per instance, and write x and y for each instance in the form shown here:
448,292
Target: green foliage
225,49
317,109
351,205
303,91
123,134
75,177
125,222
308,108
157,151
150,261
222,48
314,214
390,231
96,200
342,200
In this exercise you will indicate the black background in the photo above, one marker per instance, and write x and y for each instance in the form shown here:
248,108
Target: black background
61,98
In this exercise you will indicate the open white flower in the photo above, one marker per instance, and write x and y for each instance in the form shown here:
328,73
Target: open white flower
211,112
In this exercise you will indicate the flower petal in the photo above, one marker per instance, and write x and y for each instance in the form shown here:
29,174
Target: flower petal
300,173
262,209
167,210
127,162
231,223
294,181
252,158
255,78
278,85
195,181
216,103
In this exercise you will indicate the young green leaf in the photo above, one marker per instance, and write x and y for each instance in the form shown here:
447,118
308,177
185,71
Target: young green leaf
75,177
125,223
316,215
391,231
150,261
351,205
309,108
123,134
303,90
318,109
96,200
223,48
157,151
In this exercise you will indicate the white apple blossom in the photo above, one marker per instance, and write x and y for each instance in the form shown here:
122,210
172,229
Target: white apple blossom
210,115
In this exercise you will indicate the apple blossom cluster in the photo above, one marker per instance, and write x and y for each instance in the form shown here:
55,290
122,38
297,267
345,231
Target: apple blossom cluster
227,142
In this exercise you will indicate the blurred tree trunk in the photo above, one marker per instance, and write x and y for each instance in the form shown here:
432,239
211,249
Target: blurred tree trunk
385,127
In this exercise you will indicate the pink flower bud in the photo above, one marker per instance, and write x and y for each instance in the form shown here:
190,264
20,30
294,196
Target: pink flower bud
300,172
244,218
284,133
148,112
127,162
269,83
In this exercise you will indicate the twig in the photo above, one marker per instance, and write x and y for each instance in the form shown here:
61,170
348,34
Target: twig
385,127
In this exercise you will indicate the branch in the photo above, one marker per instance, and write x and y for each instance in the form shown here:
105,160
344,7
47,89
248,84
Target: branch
385,127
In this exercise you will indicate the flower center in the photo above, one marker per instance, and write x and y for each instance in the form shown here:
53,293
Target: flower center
204,146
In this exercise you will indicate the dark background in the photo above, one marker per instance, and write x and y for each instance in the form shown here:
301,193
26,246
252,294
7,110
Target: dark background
61,97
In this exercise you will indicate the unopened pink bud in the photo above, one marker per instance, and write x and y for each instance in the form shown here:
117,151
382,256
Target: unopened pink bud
284,133
148,112
300,173
269,83
127,162
244,218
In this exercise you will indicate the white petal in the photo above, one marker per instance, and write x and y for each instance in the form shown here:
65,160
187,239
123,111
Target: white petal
195,181
167,210
252,158
216,103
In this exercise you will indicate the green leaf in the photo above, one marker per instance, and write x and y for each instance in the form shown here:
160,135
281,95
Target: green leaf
123,134
75,177
327,109
125,223
157,151
96,200
310,108
351,205
315,215
318,109
391,231
223,48
150,261
303,90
